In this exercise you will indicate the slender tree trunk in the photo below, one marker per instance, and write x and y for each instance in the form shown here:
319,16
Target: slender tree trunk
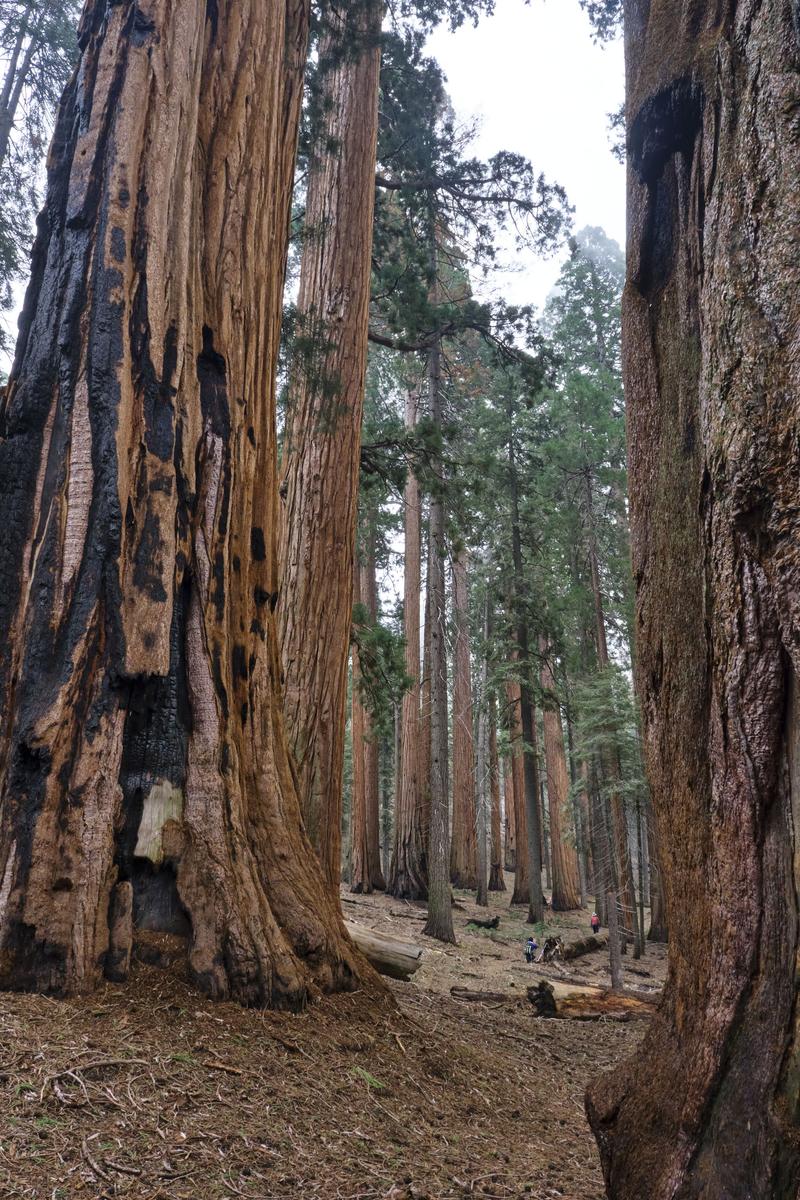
509,844
323,428
626,893
709,1108
579,811
612,906
544,843
483,773
585,803
369,597
521,893
602,861
527,718
16,77
425,729
532,809
142,740
440,913
360,867
566,885
658,914
407,877
497,881
463,844
640,870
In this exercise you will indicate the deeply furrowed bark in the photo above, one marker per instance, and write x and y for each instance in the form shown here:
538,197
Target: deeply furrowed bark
566,887
407,875
142,740
320,457
710,1107
463,842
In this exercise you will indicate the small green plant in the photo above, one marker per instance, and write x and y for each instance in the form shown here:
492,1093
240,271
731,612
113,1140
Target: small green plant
43,1124
183,1057
370,1080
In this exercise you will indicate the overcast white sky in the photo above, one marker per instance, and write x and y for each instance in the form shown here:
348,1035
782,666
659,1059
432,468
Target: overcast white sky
539,86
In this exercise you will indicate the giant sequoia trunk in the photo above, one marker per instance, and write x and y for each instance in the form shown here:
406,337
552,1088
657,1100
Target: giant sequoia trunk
566,884
463,843
710,1107
323,429
142,737
407,875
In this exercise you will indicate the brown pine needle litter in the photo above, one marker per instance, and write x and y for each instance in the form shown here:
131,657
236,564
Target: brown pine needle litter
151,1092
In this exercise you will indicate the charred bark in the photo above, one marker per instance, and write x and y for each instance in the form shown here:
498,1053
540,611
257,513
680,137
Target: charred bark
142,738
709,1108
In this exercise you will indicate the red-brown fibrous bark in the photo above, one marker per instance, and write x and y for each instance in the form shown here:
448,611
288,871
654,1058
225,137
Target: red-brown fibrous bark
407,874
709,1106
142,738
321,446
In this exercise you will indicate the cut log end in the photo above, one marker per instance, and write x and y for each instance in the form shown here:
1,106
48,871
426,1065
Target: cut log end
388,955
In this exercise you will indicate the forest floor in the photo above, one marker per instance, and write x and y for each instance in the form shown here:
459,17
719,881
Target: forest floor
151,1092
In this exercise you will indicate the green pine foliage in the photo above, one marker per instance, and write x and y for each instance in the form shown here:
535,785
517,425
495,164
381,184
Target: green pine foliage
38,49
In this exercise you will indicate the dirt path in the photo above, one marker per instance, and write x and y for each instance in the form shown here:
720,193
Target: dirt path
149,1091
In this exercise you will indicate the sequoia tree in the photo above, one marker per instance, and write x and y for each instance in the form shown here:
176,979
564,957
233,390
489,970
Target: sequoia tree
709,1107
143,755
323,428
407,878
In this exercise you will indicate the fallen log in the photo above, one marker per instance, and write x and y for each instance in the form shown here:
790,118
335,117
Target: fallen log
491,923
461,993
388,955
589,1004
585,946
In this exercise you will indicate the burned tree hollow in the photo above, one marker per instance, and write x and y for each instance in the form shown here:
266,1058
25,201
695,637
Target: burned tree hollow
145,781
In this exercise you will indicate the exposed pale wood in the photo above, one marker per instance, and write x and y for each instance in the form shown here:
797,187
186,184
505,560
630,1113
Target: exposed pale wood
138,647
589,1004
585,945
388,955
